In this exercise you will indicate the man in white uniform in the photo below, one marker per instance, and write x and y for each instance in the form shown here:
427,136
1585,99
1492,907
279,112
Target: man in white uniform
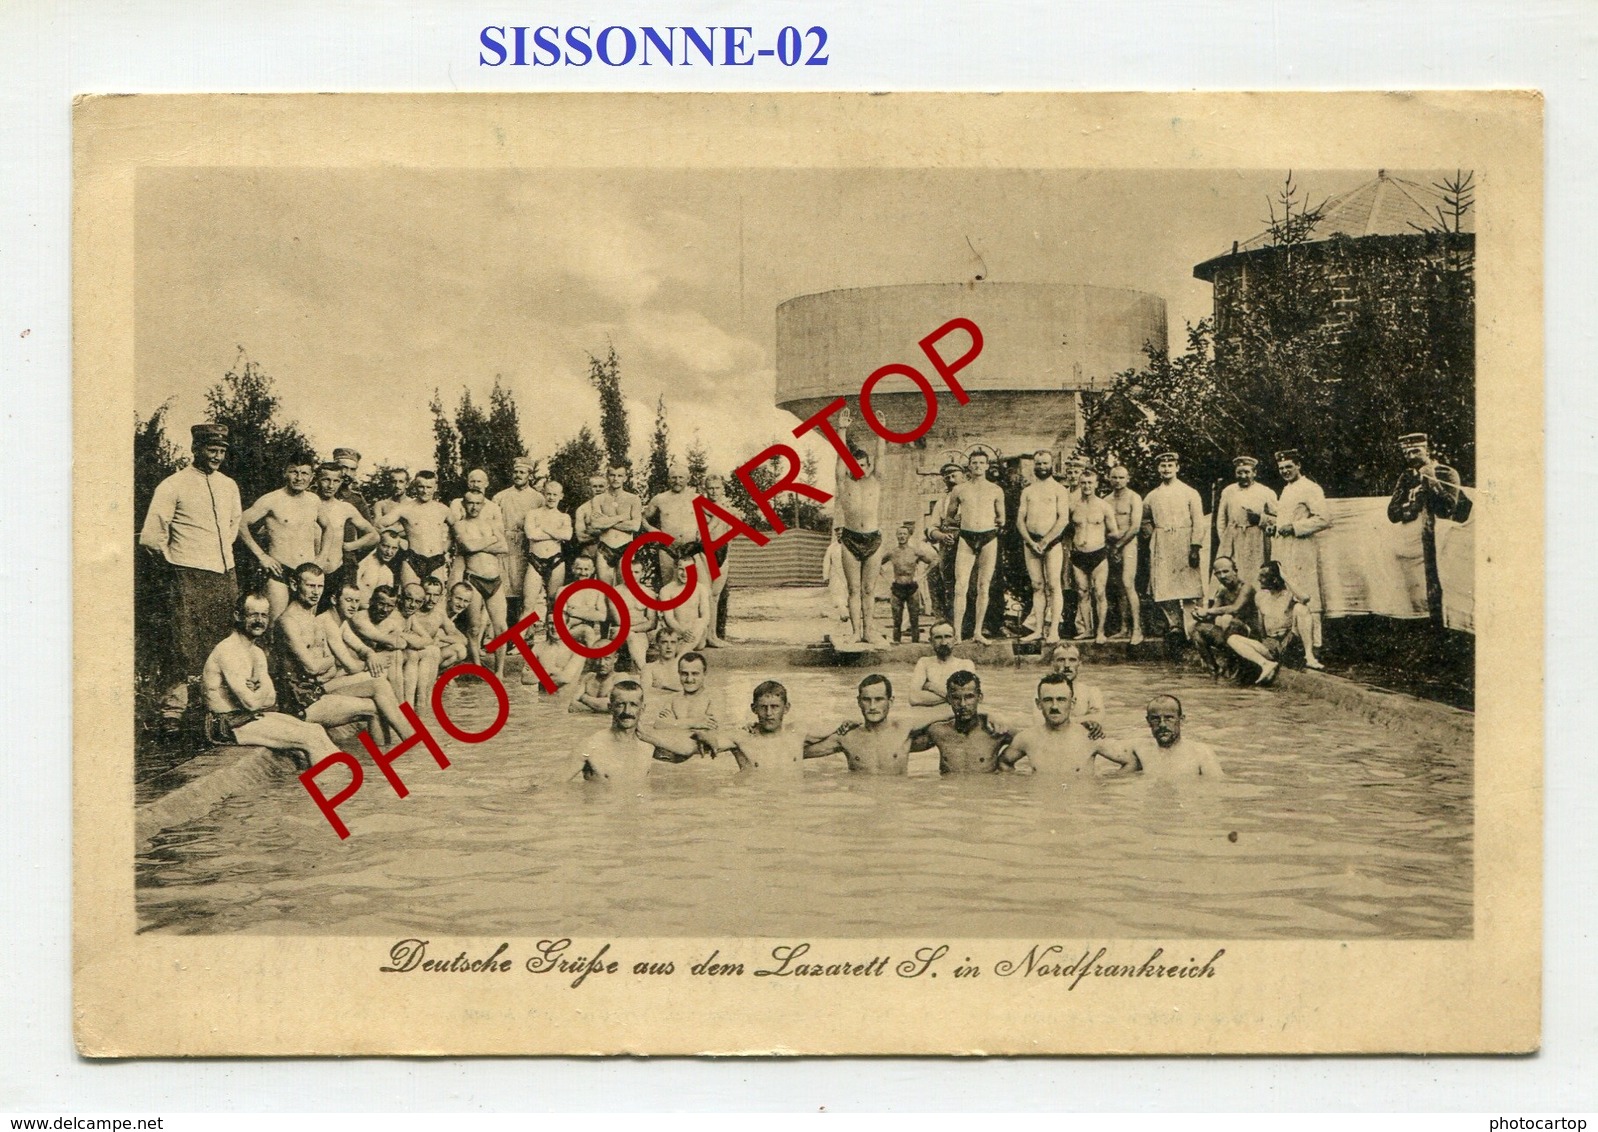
1241,516
1301,515
191,526
1173,518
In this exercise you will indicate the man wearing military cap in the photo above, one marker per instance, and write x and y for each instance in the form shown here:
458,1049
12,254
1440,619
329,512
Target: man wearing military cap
1173,518
349,460
943,532
1301,514
1240,517
1425,492
191,526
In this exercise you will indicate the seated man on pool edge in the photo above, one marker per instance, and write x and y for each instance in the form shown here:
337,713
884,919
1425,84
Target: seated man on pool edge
1169,755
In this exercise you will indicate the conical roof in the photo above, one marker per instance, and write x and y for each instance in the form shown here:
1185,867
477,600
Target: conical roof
1385,206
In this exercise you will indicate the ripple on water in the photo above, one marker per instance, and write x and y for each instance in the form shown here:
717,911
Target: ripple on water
1342,829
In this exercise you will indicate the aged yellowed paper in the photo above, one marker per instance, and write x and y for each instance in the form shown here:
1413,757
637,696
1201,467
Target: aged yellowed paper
1090,350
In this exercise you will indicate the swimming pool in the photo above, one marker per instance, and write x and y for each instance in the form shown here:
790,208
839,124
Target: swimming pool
1343,829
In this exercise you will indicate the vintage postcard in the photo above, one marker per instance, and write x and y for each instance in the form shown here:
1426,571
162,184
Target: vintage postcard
808,573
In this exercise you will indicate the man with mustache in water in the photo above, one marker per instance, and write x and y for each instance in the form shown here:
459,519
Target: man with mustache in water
1169,755
1057,749
622,752
970,742
874,745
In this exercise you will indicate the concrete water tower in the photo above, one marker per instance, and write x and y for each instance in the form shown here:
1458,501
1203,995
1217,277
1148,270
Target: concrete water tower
1044,345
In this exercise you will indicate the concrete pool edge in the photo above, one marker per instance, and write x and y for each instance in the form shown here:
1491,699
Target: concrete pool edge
211,778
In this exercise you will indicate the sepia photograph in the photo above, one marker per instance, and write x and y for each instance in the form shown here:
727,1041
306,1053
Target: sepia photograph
1057,556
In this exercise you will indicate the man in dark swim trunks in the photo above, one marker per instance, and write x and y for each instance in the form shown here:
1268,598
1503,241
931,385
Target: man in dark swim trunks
906,562
426,524
480,543
978,504
859,505
716,492
549,546
1093,529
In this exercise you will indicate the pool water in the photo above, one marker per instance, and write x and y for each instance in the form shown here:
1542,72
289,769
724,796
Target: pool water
1326,826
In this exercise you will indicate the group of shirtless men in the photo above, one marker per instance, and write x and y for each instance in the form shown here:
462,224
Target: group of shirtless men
363,606
1064,741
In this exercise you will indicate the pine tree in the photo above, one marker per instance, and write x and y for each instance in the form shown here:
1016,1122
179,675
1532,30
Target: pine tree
259,445
504,434
472,428
446,448
698,461
606,377
572,464
659,471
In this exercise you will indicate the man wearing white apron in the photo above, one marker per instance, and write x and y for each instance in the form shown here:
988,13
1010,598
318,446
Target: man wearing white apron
1173,518
1301,514
1241,514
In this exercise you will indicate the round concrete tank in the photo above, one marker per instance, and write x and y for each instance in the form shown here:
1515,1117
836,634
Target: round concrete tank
1044,344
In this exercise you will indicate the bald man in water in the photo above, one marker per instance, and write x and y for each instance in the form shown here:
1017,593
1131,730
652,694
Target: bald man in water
1169,755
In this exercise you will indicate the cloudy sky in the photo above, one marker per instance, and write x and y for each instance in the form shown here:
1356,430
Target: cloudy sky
362,291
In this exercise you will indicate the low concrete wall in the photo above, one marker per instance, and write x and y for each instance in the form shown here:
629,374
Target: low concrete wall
211,778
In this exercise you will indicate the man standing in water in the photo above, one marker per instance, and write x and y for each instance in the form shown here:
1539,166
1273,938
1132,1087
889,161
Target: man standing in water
1056,750
1169,755
1086,700
1093,531
1173,518
970,742
289,531
1301,515
688,718
930,680
1128,507
1241,515
622,752
979,505
770,744
1041,519
875,745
